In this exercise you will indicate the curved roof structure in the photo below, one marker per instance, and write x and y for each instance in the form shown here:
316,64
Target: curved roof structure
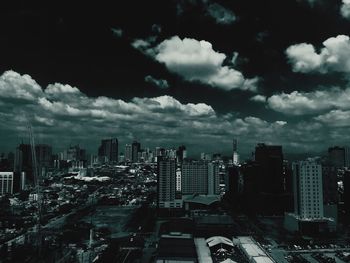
203,199
216,240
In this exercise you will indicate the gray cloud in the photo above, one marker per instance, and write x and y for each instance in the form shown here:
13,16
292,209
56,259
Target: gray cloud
118,32
221,14
217,12
160,83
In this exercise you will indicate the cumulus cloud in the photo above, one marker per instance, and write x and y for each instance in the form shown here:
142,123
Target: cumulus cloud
160,83
301,103
345,9
197,61
333,57
335,118
62,114
15,86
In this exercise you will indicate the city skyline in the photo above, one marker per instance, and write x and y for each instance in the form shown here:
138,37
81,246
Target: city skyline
198,73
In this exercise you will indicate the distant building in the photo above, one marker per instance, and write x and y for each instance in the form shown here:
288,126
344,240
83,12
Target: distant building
135,149
270,159
336,156
6,183
128,153
346,183
181,153
235,156
109,150
233,182
167,184
43,155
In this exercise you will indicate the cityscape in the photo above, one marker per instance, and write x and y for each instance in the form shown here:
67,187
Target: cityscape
178,131
130,203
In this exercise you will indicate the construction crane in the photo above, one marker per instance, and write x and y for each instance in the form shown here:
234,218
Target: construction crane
37,188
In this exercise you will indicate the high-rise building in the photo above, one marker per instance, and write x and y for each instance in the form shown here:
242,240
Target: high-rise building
194,178
181,153
23,161
270,159
346,183
308,190
43,155
6,183
167,183
309,211
233,182
213,179
128,153
330,184
200,177
235,156
109,150
347,156
135,149
336,156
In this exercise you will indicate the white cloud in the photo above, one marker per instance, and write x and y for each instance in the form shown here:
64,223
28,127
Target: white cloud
333,57
15,86
335,118
161,83
301,103
62,114
258,98
197,61
345,9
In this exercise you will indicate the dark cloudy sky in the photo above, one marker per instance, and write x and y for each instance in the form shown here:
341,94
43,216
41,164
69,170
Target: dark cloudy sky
193,72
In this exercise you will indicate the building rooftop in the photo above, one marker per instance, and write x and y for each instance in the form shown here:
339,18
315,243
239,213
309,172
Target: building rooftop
202,199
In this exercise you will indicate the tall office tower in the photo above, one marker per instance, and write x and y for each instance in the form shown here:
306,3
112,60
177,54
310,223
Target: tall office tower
194,178
308,190
235,156
128,153
330,184
181,153
336,156
6,183
135,149
167,183
346,183
109,150
23,161
270,159
43,155
213,179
